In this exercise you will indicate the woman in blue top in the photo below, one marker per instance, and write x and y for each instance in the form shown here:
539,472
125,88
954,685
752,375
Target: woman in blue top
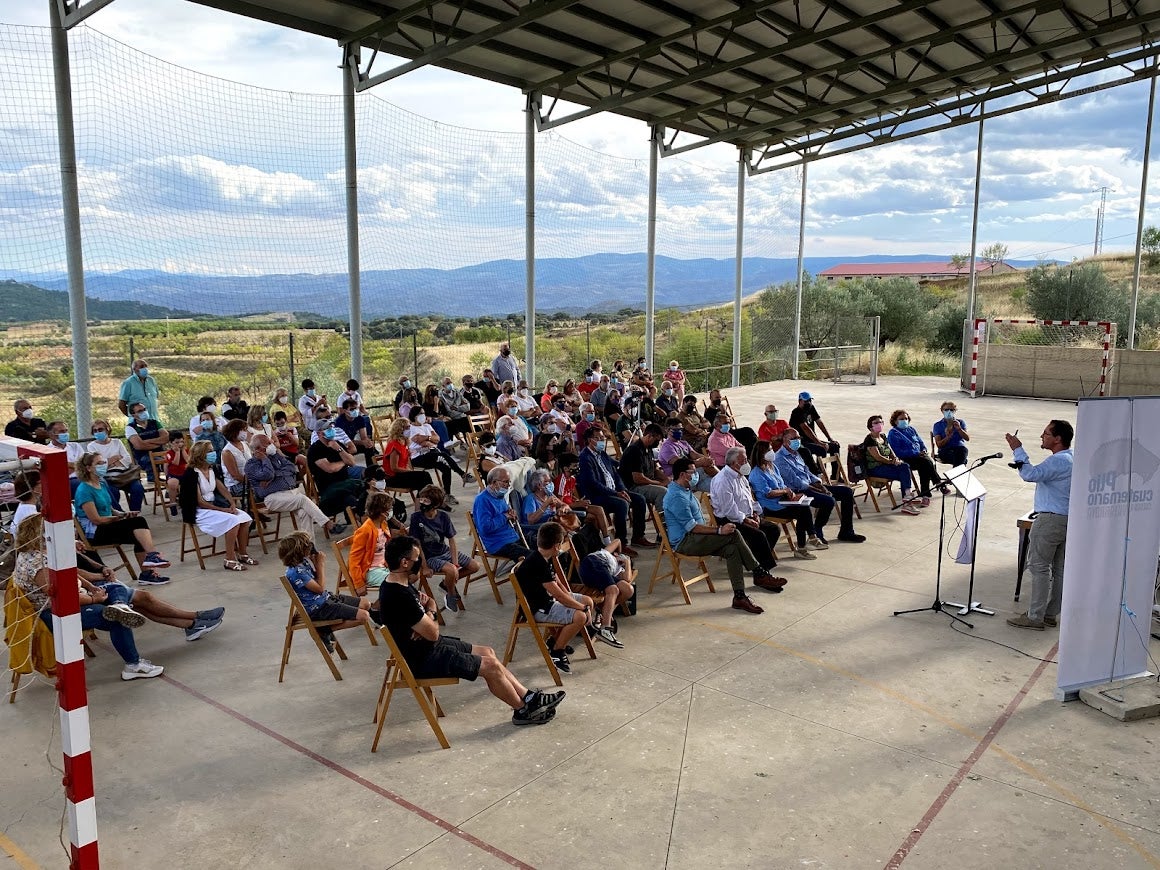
104,526
950,436
908,446
540,505
777,499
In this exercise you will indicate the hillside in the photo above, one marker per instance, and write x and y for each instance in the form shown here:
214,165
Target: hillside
22,303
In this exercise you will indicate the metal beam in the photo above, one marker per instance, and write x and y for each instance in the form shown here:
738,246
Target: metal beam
70,203
975,227
797,314
1140,217
742,163
350,61
532,112
654,148
73,12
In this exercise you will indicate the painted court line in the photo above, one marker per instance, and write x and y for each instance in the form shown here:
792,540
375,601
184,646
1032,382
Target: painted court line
22,858
396,799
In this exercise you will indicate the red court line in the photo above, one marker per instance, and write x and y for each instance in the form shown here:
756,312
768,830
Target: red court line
957,780
354,777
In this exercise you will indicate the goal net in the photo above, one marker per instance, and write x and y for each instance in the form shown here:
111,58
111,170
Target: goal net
1063,359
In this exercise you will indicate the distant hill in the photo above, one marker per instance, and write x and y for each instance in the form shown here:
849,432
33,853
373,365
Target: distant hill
599,282
22,303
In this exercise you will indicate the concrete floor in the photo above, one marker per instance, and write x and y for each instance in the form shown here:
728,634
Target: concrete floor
823,733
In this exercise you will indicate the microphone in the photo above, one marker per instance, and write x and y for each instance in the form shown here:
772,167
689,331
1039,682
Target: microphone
992,456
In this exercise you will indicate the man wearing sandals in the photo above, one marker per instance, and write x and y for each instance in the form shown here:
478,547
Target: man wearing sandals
410,618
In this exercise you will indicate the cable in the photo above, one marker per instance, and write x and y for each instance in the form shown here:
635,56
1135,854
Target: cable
1004,645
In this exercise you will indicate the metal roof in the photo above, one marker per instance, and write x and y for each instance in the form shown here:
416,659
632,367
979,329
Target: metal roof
784,78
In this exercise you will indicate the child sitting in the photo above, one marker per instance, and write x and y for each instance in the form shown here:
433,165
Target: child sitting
176,461
432,527
286,437
305,571
611,573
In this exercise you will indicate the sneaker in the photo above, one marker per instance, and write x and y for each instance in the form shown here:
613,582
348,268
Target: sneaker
173,510
606,635
801,553
155,560
743,602
1024,621
200,627
151,578
211,614
327,638
851,538
451,500
447,445
818,544
123,614
142,670
540,717
560,660
910,510
452,602
338,528
1051,621
924,501
541,700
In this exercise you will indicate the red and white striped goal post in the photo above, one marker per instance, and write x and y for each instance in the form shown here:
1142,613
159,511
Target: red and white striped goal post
977,337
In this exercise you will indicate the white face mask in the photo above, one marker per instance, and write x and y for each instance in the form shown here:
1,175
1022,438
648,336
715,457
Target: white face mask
489,449
769,455
421,419
523,393
26,414
271,449
211,408
745,469
380,485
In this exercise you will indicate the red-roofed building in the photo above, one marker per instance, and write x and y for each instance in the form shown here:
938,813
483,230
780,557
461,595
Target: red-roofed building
920,272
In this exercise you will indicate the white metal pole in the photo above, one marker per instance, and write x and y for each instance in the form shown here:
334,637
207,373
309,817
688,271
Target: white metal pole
974,231
741,166
533,109
353,265
1140,217
797,316
654,144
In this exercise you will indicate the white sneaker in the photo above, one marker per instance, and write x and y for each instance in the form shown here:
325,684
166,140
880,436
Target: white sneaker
143,670
447,445
123,614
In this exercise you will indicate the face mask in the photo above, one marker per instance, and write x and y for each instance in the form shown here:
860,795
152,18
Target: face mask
948,415
421,419
600,445
551,391
101,469
769,456
795,444
206,425
506,352
380,485
523,392
211,457
406,385
310,393
693,480
211,408
745,469
590,417
329,432
559,406
724,428
271,449
26,413
489,449
143,372
265,419
771,416
513,411
616,380
876,428
280,400
62,437
549,487
143,416
101,436
673,368
677,434
502,493
668,392
903,424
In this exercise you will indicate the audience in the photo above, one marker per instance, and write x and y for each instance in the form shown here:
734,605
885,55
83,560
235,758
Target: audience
802,481
734,505
305,570
368,545
330,465
780,501
550,597
883,464
234,457
235,407
808,423
722,439
431,526
601,484
639,469
772,426
496,520
674,376
909,446
145,435
274,480
427,451
205,405
123,472
541,505
505,367
307,403
397,459
513,438
676,447
695,428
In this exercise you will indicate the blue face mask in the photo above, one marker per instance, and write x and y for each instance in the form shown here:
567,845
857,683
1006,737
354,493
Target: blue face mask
693,480
211,457
513,411
677,434
265,419
143,416
948,415
101,469
101,436
600,445
795,444
206,425
903,424
502,493
406,385
590,417
329,432
62,437
310,393
143,372
724,428
549,487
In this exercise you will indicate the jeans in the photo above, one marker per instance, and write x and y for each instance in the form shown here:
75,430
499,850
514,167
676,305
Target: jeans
732,548
900,473
1045,563
93,616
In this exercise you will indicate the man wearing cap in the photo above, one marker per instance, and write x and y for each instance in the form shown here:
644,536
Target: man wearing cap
139,387
808,422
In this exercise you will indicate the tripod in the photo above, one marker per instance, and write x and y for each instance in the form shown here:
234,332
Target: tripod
945,484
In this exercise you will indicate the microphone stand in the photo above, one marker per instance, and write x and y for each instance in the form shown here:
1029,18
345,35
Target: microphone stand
938,605
973,606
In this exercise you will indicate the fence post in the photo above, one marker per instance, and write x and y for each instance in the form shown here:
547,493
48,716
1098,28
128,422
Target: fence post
415,355
293,380
706,386
837,345
132,352
588,338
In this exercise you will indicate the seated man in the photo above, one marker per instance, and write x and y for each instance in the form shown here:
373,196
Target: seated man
26,425
611,573
235,407
676,447
587,418
353,425
667,402
802,481
696,428
772,426
722,439
641,376
324,421
808,422
639,471
600,483
329,463
690,534
551,599
305,569
410,618
496,520
274,479
145,436
476,401
733,504
307,402
950,436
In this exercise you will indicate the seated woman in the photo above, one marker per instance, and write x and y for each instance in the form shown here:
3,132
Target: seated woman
437,414
217,517
950,436
673,375
27,493
208,431
397,459
410,399
541,505
427,450
695,427
431,526
908,446
281,404
258,422
234,458
571,396
551,390
489,456
103,526
205,405
113,451
779,500
513,439
613,406
882,463
527,406
367,564
97,610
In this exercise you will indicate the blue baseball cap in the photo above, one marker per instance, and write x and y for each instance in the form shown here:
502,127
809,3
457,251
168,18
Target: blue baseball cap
805,397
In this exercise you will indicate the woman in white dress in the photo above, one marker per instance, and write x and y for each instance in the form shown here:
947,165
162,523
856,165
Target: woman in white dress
199,485
234,457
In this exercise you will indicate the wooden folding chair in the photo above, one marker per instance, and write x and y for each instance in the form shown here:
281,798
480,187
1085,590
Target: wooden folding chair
119,549
262,529
524,618
675,559
191,544
299,620
161,497
398,673
788,531
490,563
876,486
344,580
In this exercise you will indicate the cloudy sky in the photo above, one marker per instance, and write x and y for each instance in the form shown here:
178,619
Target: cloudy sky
211,143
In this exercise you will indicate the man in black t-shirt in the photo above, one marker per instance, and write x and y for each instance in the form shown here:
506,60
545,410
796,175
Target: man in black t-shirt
639,469
328,465
808,422
235,407
474,397
551,598
26,426
409,616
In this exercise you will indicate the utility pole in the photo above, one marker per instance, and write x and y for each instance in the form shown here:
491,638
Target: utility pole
1098,247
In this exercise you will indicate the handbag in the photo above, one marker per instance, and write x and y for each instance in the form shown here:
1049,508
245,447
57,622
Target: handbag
125,477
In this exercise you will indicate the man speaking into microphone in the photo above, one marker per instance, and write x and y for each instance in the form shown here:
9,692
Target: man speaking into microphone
1052,479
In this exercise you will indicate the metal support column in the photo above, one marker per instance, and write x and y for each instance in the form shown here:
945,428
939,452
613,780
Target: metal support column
532,110
797,314
1140,217
70,199
654,147
350,61
742,165
975,224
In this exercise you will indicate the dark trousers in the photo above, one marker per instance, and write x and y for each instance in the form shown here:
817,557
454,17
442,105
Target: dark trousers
761,541
337,497
928,475
803,520
954,455
841,495
437,461
619,509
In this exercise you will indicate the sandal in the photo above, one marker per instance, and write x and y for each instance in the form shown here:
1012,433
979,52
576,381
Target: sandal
231,565
246,559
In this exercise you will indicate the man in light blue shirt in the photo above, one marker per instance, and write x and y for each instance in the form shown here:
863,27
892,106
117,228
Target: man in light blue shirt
139,387
1052,479
801,480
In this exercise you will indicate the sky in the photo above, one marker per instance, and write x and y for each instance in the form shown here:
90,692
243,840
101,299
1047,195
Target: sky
183,170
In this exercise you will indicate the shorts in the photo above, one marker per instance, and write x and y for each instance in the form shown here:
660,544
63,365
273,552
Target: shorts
451,657
344,607
595,571
436,563
376,577
558,614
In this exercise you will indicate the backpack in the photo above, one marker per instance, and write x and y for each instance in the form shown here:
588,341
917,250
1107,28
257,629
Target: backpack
856,462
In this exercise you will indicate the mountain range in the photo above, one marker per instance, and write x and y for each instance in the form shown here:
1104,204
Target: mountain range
598,282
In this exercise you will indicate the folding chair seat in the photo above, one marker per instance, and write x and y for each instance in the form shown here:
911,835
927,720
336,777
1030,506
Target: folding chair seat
491,564
262,530
191,544
666,552
119,549
344,581
398,673
161,497
523,618
299,620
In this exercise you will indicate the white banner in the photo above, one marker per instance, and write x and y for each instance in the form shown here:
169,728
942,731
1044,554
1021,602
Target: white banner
1113,536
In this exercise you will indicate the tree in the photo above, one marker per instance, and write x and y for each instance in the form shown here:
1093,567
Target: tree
994,255
959,263
1151,245
902,306
1080,292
